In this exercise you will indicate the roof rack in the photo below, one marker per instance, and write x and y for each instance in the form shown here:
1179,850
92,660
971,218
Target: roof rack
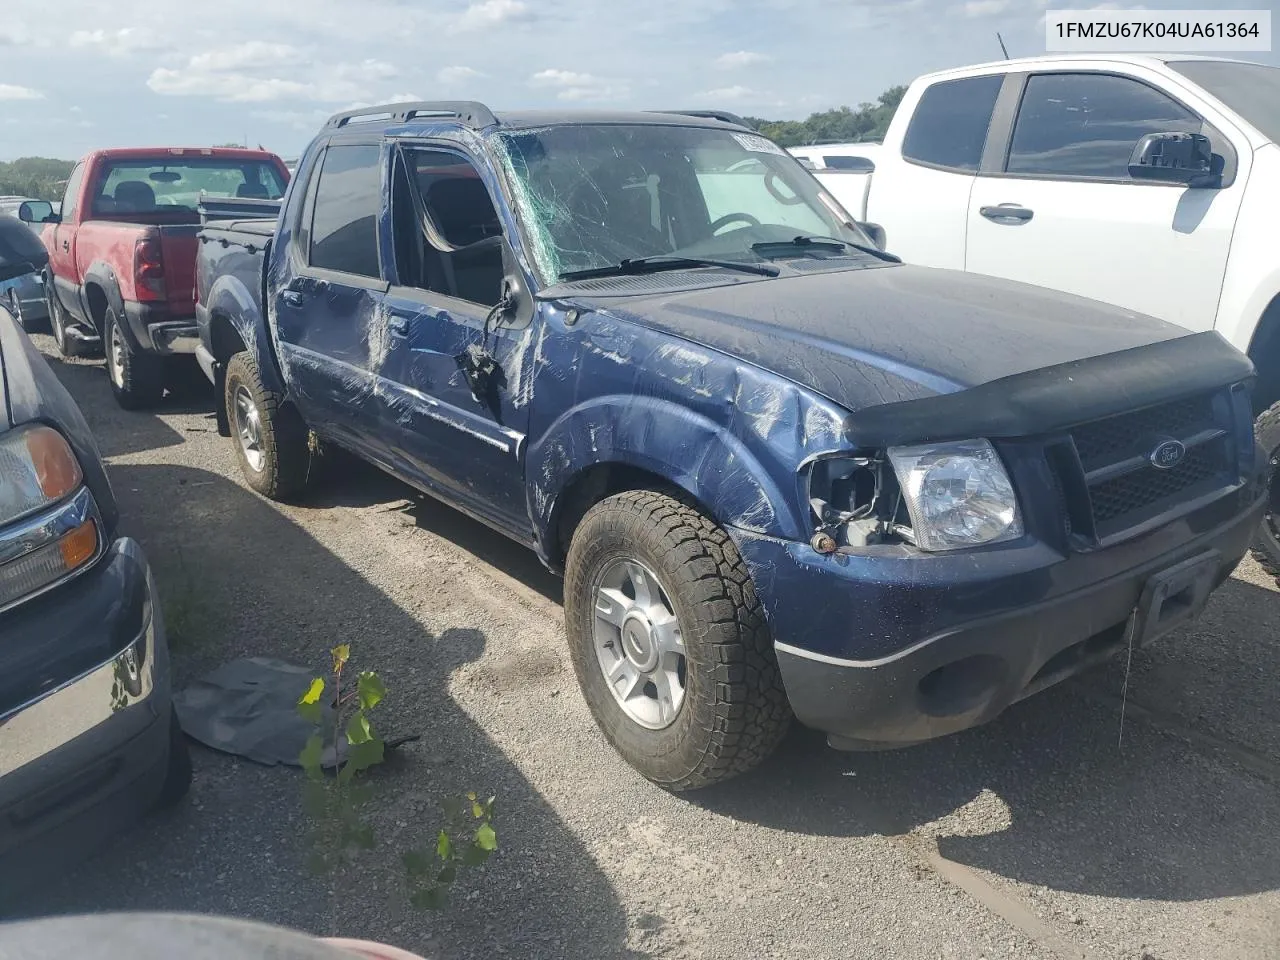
470,112
723,116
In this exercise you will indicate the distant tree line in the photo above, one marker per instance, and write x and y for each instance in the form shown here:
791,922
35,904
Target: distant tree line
38,177
868,122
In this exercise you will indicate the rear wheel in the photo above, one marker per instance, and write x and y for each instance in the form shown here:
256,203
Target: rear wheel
1267,545
271,440
137,378
669,642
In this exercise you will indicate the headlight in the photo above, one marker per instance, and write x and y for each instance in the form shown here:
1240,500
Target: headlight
37,468
958,494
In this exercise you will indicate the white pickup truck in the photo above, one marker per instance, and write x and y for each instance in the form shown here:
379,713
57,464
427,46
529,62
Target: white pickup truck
1148,182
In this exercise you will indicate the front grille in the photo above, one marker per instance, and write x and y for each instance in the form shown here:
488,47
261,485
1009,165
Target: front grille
1108,441
1112,499
1115,484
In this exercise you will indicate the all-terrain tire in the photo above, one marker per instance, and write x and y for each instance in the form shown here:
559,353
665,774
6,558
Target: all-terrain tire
735,710
137,378
1266,546
283,438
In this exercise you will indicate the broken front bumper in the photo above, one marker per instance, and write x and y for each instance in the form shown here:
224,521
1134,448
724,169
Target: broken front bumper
899,648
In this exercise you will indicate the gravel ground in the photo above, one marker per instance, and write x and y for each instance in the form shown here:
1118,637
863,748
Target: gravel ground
1044,834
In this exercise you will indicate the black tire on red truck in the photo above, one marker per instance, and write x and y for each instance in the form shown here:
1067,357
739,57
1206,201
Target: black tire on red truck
137,378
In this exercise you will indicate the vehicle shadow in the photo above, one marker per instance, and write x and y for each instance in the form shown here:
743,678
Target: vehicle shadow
346,480
121,432
1050,794
237,845
1047,794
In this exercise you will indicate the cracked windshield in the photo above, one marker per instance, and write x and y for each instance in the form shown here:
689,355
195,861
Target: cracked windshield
603,194
513,480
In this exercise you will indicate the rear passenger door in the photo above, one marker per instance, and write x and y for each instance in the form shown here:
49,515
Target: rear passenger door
327,310
469,451
1061,210
921,198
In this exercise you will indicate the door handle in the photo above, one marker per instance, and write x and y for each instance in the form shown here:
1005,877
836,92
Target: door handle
66,244
399,326
1007,211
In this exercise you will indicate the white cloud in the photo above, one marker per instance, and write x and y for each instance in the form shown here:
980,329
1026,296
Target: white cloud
117,43
552,77
10,91
452,76
598,92
403,98
490,13
736,92
984,8
252,55
741,58
250,73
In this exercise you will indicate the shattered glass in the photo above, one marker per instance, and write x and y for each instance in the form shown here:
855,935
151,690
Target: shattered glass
594,195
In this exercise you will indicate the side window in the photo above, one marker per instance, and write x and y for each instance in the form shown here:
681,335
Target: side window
72,193
464,258
344,225
1086,125
949,126
854,164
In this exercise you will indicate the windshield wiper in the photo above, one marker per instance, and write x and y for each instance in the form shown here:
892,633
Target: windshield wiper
815,241
655,264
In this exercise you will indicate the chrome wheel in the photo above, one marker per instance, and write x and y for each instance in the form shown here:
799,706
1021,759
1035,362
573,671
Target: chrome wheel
249,428
115,355
638,644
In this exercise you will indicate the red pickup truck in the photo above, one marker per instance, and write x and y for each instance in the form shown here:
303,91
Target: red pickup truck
122,254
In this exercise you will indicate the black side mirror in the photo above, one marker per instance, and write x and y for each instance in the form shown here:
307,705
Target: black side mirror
875,232
36,211
1175,158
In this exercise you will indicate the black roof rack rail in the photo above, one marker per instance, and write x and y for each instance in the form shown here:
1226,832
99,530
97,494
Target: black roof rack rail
470,112
722,115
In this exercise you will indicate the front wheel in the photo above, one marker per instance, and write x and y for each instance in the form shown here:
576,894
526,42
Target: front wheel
669,642
1267,544
272,442
58,322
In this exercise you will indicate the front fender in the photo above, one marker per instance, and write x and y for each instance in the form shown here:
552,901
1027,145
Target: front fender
662,437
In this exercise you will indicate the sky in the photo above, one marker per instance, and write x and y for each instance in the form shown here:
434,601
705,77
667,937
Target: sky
80,74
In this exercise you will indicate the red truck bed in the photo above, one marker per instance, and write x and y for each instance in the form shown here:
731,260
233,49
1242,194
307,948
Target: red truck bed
124,252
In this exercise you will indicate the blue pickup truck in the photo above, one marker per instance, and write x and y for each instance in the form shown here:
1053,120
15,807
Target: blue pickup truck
783,474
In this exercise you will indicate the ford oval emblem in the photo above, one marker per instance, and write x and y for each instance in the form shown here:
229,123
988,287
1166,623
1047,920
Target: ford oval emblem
1167,454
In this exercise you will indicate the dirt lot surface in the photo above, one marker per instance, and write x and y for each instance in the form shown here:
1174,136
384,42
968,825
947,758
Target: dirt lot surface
1043,834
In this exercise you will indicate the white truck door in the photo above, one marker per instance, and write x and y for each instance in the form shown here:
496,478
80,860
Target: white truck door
920,189
1064,212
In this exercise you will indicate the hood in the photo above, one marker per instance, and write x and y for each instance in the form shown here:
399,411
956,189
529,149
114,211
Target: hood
887,334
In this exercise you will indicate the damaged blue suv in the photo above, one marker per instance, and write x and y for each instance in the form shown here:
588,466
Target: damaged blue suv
782,473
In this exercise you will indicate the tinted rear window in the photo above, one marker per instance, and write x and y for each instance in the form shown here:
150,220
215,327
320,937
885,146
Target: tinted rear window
949,126
344,228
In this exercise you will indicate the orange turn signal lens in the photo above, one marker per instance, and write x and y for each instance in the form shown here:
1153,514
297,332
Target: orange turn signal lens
56,467
80,545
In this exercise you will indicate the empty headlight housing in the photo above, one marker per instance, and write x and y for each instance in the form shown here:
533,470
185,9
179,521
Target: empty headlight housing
958,494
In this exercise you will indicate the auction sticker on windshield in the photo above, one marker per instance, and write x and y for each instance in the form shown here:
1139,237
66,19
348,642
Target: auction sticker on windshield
757,144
